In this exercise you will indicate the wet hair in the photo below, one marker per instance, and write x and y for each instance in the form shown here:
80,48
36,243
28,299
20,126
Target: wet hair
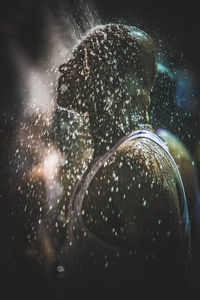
111,65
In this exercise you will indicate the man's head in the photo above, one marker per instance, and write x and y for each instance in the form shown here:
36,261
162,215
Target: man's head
110,59
109,75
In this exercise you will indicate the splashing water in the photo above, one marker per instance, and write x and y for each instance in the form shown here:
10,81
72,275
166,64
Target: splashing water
42,164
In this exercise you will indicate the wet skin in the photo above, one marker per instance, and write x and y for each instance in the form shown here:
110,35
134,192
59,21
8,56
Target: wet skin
135,200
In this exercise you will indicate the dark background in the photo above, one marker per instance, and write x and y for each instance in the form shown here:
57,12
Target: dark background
176,24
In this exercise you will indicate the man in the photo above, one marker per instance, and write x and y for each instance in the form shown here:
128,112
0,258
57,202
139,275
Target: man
127,218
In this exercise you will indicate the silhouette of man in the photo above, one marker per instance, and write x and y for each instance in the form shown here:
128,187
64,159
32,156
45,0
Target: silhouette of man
127,217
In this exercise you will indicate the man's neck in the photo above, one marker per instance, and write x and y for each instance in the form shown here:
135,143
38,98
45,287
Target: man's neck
106,137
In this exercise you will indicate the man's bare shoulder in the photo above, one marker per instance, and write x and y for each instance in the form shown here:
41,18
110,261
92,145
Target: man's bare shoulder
144,157
138,183
140,166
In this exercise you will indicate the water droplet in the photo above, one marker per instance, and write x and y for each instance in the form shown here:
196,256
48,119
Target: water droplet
144,203
60,269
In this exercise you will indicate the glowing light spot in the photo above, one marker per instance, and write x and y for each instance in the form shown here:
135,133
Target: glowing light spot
144,203
60,269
